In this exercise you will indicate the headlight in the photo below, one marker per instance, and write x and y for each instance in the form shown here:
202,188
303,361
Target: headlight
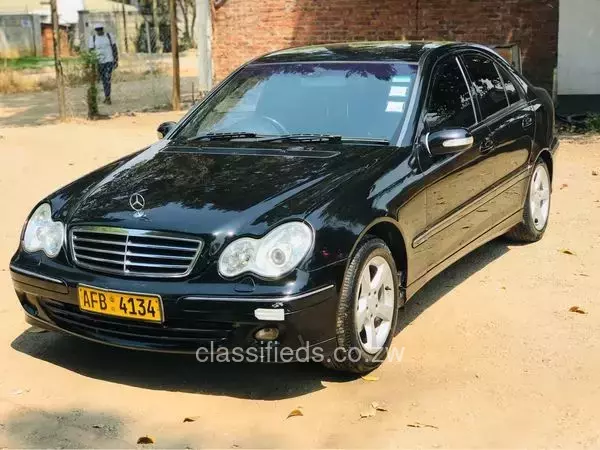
274,255
42,233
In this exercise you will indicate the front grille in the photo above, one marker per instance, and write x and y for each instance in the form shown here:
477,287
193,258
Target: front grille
136,253
176,334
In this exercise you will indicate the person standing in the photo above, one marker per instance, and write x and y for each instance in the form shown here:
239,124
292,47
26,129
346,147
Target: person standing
103,43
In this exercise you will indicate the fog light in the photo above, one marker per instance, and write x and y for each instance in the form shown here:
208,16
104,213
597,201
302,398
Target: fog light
267,334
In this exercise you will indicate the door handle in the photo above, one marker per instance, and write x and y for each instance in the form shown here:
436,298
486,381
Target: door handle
486,145
527,122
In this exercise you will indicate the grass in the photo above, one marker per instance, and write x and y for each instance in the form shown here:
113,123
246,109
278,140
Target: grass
33,62
27,62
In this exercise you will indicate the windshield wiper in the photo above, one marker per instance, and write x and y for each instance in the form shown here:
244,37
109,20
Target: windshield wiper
329,138
366,140
225,136
296,137
303,138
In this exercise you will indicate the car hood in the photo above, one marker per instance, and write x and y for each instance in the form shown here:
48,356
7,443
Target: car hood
221,187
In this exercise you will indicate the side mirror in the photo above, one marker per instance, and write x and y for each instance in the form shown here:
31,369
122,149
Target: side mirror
448,141
164,129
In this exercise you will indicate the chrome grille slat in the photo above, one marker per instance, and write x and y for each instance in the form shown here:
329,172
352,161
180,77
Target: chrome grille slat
137,253
98,241
176,266
152,236
97,250
164,247
93,258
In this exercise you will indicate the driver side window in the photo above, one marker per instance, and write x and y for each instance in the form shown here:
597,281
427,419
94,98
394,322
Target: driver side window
449,104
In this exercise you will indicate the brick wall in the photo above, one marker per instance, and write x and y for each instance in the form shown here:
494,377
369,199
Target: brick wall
244,29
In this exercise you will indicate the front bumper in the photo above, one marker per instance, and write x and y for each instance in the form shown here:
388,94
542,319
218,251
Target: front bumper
190,321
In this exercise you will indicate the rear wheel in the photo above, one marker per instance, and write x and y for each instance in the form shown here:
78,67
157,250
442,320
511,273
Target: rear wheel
367,310
537,207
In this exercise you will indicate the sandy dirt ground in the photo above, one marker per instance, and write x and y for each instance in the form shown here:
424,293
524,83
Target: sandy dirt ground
492,355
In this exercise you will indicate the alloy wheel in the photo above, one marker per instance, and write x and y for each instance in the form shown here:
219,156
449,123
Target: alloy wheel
374,304
539,197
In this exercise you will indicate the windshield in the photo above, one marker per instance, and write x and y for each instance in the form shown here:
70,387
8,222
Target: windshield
352,100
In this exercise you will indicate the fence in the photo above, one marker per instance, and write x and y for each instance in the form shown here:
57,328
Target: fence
143,80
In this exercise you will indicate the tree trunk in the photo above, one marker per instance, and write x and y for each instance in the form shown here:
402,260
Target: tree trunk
60,80
155,27
176,95
194,12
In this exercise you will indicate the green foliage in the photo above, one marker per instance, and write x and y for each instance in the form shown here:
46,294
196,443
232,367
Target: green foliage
33,62
89,62
593,123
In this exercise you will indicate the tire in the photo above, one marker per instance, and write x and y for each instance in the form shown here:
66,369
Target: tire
535,221
357,351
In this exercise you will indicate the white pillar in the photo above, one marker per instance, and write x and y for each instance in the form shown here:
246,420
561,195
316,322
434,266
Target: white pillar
204,33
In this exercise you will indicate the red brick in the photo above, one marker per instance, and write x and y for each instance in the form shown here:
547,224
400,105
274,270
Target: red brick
245,29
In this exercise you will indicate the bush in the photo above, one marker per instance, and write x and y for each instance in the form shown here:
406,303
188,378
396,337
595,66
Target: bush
593,123
89,62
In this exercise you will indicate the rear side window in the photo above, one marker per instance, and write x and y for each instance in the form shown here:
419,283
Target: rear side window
509,87
487,85
449,104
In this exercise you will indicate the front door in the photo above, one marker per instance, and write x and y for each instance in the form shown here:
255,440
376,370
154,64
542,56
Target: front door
454,182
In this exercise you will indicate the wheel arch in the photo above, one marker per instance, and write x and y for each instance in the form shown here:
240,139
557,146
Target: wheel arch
546,156
389,231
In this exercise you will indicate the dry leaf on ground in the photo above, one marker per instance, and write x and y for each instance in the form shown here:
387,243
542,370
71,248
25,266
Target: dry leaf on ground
145,440
421,425
370,378
19,391
295,413
191,419
367,413
379,406
566,251
577,309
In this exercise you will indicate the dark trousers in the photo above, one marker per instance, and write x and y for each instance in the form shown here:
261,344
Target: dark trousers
106,70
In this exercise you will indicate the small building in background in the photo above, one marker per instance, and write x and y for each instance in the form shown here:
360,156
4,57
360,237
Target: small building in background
25,25
20,35
578,73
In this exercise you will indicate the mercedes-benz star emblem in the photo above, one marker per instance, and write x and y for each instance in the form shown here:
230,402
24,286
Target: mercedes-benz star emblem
137,202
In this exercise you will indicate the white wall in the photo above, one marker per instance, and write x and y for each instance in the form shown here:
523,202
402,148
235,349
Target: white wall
579,47
68,10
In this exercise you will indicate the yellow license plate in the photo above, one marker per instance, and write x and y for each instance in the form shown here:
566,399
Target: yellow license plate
120,304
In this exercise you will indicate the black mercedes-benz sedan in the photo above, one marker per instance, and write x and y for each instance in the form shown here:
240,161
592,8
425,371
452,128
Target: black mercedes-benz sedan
298,206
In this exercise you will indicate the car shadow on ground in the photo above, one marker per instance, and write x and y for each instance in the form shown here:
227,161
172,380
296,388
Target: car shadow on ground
242,380
449,279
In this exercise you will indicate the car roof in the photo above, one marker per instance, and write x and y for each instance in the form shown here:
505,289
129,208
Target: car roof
406,51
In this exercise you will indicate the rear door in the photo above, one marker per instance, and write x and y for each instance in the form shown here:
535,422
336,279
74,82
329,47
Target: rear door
511,122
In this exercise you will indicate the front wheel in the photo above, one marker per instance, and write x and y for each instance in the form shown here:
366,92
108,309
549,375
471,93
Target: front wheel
367,310
537,207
